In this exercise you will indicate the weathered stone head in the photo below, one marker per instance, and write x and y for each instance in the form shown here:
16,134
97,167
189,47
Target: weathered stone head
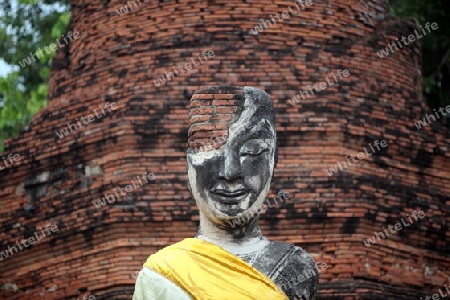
232,152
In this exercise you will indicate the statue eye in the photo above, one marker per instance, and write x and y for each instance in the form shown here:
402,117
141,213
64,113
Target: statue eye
254,148
253,152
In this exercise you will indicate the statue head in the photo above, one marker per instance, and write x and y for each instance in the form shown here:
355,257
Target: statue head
232,152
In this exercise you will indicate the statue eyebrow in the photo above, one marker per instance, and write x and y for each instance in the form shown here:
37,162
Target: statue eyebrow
254,133
266,126
261,133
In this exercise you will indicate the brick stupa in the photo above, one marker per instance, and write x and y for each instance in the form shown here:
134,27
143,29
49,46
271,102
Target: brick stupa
119,58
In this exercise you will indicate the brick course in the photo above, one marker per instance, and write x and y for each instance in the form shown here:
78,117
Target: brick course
118,58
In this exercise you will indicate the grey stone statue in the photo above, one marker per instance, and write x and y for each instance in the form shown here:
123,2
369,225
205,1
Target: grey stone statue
231,176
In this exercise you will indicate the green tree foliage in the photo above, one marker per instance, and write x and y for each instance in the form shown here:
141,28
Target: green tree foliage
26,26
435,47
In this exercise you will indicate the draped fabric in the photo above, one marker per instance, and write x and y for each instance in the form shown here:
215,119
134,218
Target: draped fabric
208,272
152,286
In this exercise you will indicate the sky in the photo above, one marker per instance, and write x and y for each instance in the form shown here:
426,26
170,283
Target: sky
4,68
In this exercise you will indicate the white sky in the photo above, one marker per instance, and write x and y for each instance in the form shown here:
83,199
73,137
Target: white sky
4,68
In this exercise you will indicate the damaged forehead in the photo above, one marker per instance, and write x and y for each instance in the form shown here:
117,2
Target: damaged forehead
217,110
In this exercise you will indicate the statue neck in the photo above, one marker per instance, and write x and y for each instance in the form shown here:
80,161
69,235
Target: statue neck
238,240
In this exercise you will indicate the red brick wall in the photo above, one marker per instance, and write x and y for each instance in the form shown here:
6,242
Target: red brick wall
117,58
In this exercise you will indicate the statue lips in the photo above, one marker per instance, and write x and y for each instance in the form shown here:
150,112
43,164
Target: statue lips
229,196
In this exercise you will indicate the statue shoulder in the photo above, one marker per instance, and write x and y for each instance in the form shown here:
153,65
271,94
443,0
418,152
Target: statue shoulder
297,274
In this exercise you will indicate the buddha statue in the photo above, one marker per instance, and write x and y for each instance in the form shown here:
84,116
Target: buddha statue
231,157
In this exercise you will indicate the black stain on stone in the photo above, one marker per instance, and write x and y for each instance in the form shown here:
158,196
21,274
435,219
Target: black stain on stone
350,225
163,59
180,141
186,54
282,136
371,217
423,159
317,213
88,233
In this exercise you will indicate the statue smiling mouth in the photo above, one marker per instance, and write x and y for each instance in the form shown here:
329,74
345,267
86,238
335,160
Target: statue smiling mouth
228,195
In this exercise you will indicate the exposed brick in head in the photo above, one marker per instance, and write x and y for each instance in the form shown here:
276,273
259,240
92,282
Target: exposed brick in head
212,111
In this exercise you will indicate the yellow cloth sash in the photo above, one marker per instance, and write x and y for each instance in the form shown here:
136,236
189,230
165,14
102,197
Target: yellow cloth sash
208,272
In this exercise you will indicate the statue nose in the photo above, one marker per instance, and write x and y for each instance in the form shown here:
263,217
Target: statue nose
231,169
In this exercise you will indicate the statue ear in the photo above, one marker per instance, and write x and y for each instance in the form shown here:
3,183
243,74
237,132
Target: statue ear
276,156
187,157
276,161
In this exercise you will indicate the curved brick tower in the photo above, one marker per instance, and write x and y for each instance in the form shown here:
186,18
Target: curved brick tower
117,60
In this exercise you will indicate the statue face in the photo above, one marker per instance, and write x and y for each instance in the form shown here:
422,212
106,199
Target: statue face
235,178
